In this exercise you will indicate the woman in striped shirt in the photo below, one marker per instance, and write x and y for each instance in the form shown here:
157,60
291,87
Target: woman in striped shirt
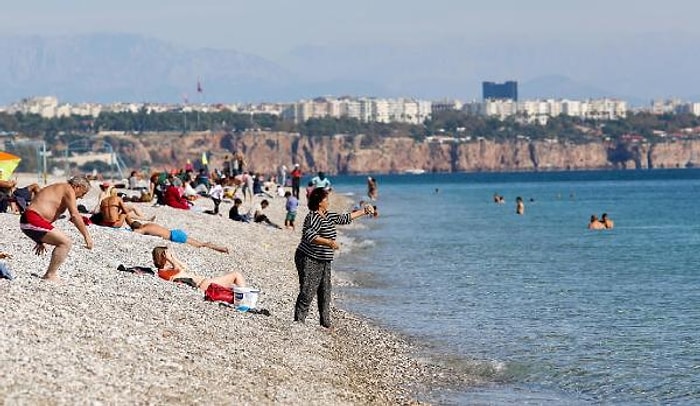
314,254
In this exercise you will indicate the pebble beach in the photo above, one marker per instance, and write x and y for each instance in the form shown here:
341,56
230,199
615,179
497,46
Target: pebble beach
104,336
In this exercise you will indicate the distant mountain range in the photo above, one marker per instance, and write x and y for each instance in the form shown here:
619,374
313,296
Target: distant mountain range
126,67
122,67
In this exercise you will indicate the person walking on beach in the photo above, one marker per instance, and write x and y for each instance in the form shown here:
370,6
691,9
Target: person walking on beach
217,195
296,180
314,255
45,208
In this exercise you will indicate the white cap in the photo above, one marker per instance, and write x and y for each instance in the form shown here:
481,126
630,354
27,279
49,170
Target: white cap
296,164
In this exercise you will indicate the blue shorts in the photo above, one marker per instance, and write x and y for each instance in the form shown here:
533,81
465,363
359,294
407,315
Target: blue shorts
178,236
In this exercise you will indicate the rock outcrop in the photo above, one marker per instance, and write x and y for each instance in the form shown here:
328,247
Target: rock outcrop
266,151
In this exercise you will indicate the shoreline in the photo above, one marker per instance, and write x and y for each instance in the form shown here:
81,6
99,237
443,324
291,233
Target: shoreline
109,336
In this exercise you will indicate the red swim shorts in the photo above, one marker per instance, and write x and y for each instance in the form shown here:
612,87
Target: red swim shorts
34,226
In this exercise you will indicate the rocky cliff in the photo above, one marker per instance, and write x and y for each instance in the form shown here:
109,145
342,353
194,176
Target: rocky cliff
265,151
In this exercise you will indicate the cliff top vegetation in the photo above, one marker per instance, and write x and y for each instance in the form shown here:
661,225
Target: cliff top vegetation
638,127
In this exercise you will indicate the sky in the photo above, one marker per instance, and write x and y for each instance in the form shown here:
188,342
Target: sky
446,44
273,27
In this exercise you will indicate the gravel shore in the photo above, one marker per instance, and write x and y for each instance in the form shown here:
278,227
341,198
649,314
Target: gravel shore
103,336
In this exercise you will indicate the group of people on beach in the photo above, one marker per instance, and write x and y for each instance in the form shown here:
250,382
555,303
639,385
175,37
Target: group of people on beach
313,256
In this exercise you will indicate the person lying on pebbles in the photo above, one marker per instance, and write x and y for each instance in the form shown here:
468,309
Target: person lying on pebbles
174,235
172,269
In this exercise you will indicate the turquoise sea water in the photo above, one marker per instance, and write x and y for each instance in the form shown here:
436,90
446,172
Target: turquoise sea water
544,310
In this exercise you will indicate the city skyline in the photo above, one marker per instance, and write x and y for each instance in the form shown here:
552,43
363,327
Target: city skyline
438,50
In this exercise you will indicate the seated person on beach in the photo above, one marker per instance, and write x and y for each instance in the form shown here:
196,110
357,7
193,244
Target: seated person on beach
114,212
21,197
143,197
172,269
607,223
173,198
189,192
595,224
105,192
6,188
235,214
173,235
321,181
260,217
136,181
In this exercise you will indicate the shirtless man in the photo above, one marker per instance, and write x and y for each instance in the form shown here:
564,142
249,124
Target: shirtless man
172,269
44,209
174,235
606,221
519,205
595,224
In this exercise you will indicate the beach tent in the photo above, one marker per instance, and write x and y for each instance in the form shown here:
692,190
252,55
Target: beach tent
8,164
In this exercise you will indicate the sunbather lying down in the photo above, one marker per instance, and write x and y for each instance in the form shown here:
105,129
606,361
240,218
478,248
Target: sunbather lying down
173,235
3,255
172,269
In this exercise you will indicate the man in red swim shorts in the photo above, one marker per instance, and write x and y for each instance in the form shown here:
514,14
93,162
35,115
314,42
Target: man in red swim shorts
45,208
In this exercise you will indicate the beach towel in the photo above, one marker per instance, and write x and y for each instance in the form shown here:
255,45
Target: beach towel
136,269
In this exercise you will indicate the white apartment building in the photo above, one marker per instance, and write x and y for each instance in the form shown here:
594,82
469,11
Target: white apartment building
446,105
351,108
665,106
380,111
541,110
573,108
364,109
43,106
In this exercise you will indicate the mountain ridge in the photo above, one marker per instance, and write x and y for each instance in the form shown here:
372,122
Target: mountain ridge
112,67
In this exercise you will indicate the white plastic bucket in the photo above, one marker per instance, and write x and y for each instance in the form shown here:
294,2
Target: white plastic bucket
245,298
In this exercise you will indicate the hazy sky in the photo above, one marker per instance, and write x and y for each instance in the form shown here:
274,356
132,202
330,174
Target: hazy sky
433,48
274,27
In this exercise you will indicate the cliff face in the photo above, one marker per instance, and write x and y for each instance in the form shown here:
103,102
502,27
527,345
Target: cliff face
266,151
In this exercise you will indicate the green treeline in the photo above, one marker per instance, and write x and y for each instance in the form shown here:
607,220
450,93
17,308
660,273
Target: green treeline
448,123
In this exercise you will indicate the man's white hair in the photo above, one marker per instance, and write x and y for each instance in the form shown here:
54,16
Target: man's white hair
79,181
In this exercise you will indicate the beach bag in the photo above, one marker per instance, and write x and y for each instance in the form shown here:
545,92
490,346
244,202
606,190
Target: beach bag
218,293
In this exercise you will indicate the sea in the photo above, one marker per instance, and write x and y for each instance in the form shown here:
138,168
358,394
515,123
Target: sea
542,310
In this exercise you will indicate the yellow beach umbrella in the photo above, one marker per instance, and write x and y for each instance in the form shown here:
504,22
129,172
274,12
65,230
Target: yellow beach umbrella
8,164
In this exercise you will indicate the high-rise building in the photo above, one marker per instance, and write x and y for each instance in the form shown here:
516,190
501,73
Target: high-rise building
507,90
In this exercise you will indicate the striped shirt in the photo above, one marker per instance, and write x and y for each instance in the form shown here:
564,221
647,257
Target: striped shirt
316,225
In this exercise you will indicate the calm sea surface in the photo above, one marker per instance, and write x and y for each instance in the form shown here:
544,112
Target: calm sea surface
544,310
